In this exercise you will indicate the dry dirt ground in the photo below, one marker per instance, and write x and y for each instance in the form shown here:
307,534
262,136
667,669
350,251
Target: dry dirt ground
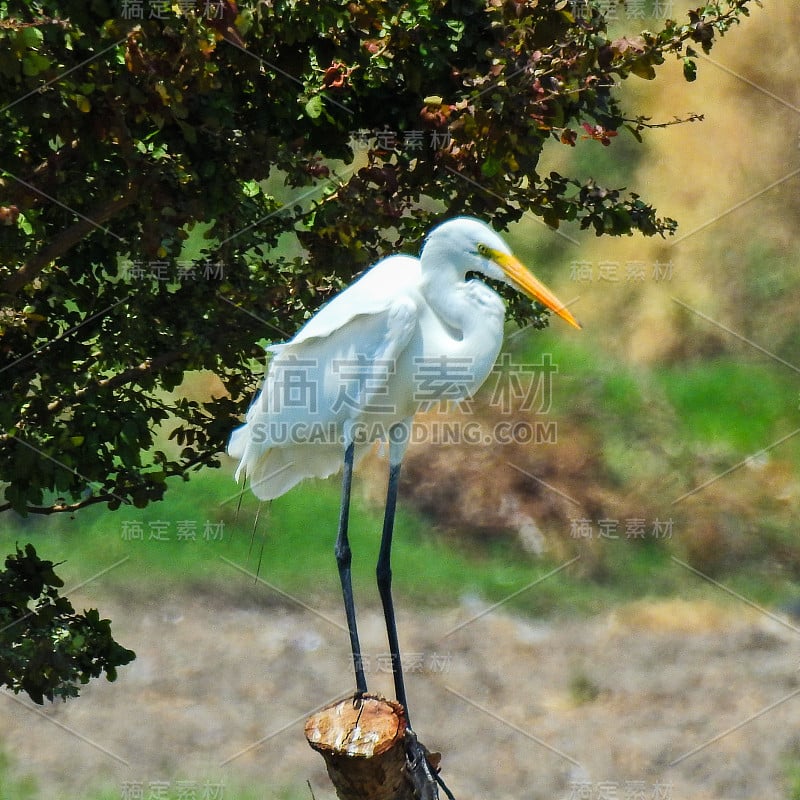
669,701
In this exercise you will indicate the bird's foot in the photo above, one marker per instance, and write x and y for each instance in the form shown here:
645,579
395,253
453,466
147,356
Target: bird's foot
358,698
422,769
358,703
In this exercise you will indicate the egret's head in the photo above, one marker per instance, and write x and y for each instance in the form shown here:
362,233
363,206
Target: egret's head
478,248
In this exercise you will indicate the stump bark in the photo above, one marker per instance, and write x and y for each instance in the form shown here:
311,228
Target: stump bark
363,743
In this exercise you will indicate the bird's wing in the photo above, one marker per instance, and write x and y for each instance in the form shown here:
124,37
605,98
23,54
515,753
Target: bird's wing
373,293
342,362
351,350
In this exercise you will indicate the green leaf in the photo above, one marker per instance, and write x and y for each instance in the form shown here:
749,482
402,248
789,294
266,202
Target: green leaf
642,68
24,225
314,106
491,166
34,63
251,188
636,134
30,37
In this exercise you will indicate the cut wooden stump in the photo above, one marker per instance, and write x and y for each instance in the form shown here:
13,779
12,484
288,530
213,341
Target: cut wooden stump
363,743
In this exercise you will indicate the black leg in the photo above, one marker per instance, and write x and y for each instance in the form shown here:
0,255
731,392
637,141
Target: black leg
343,558
384,574
423,776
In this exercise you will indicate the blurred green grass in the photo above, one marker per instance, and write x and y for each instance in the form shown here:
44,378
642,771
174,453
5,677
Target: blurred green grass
743,403
290,546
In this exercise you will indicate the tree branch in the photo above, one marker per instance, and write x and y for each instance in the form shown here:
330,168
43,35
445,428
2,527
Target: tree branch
57,509
67,239
107,497
147,366
644,122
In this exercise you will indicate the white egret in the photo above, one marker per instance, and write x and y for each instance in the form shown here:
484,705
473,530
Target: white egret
408,332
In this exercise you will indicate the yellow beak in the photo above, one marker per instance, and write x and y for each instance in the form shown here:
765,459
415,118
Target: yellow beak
531,286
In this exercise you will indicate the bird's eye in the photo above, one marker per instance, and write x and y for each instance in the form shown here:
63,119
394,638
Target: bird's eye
483,250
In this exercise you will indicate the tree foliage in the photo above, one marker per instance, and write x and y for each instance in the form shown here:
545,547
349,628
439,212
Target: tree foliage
46,648
304,141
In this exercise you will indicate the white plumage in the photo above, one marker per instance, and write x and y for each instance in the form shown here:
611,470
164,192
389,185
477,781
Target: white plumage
367,360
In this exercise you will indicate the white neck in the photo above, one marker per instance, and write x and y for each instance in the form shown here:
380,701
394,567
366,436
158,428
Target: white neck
470,317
